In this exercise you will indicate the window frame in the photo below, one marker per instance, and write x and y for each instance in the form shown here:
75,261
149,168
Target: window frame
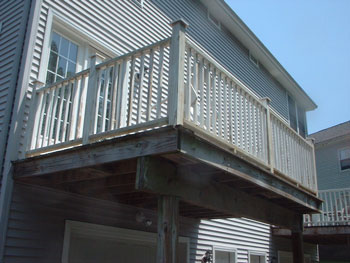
225,249
257,253
87,44
339,159
296,109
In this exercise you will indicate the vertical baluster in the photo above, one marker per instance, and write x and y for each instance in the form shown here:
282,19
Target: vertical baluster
195,88
201,91
105,99
150,87
213,85
225,123
139,103
253,130
160,83
75,107
114,91
220,128
100,85
346,195
48,116
122,93
52,122
209,96
249,123
235,113
131,91
41,119
335,206
65,120
81,106
60,110
230,112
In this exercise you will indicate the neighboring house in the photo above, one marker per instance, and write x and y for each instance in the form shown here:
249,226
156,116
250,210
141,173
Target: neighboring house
127,126
332,151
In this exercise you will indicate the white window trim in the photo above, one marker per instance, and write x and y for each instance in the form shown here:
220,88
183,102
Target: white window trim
339,152
226,249
88,229
257,253
74,33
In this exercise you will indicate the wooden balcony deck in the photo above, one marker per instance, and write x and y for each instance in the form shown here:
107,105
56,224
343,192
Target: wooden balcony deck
167,119
143,90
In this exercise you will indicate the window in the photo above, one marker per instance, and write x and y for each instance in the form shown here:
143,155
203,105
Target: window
62,58
257,257
224,255
344,159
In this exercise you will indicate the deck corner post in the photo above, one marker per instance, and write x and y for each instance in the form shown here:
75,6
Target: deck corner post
271,158
90,100
32,128
176,73
167,238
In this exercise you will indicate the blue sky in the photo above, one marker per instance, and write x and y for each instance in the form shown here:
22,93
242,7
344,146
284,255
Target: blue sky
311,39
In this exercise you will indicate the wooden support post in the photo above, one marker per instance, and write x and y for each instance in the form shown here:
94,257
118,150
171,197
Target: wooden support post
168,217
297,241
176,73
34,115
269,138
90,100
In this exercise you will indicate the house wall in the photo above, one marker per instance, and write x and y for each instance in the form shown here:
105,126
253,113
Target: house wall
124,26
37,221
13,20
329,175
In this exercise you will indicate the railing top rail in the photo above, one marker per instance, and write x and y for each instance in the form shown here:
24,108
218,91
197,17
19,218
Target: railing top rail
334,190
134,52
68,79
213,61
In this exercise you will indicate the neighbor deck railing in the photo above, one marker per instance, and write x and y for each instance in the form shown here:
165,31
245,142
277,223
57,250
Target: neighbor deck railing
335,209
171,82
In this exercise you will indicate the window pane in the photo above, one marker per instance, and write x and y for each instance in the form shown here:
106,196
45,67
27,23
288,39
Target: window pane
224,257
53,62
55,41
73,51
50,78
71,69
64,47
62,66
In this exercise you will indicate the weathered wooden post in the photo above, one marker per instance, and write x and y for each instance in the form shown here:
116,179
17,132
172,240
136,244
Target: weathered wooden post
91,99
270,150
168,217
297,241
34,115
176,73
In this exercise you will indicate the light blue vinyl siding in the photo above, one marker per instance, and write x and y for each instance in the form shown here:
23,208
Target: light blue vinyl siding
329,175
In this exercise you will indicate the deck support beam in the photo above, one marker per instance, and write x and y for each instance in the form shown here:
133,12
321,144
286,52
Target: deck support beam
161,177
168,222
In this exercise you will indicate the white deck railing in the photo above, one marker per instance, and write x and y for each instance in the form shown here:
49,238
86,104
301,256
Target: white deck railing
172,82
335,209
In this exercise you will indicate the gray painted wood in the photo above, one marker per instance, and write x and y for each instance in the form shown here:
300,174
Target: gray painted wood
329,175
13,17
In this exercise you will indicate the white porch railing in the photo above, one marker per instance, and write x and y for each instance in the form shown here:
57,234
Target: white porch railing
172,82
335,209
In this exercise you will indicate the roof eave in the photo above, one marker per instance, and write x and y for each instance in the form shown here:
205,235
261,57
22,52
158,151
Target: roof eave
232,22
